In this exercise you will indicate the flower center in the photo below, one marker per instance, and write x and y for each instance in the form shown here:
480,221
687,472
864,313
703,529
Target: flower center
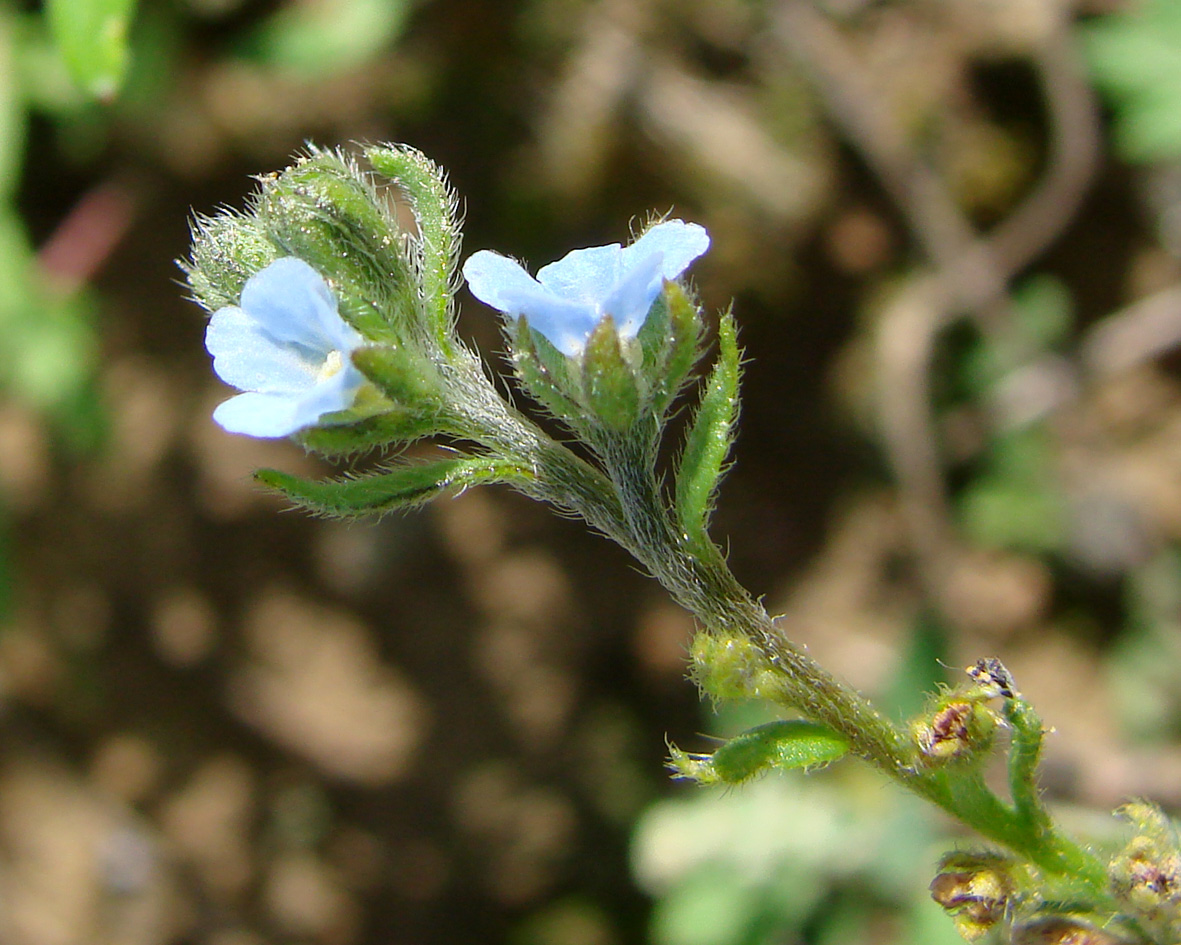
332,365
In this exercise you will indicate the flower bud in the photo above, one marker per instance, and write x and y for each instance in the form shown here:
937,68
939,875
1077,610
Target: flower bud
1146,874
1064,930
954,729
731,667
317,274
976,889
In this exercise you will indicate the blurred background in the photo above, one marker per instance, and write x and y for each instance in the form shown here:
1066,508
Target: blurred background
951,230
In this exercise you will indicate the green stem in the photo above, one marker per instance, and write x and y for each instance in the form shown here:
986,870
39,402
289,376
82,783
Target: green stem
627,506
705,585
1024,754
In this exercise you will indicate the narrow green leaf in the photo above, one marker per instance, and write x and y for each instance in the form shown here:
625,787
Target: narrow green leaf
313,40
396,425
403,486
1024,754
436,210
703,461
92,38
784,745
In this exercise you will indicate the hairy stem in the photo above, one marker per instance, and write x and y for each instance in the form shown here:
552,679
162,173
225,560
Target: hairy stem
627,505
704,585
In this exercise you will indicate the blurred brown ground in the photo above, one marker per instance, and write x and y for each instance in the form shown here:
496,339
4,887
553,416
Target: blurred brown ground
227,723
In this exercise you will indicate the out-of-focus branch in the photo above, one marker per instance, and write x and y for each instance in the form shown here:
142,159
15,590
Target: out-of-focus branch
969,273
1144,330
855,106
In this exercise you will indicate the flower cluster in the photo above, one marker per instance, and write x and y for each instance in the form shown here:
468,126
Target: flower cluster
288,349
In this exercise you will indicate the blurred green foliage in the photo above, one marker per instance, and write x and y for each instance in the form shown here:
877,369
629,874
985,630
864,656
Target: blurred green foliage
309,40
91,36
1136,58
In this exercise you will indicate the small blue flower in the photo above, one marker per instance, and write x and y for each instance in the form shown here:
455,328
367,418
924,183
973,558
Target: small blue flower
288,348
570,297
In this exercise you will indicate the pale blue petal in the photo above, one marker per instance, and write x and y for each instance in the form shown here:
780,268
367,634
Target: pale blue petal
330,395
565,323
632,297
680,242
264,415
497,280
503,284
566,328
247,357
274,347
584,275
281,414
293,303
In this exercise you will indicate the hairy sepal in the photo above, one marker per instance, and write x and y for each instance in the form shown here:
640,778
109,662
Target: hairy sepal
436,245
609,387
703,461
670,340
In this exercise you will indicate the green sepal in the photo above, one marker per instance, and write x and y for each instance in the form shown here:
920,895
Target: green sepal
402,374
436,246
703,461
396,424
609,388
325,210
403,486
671,344
543,371
227,250
92,38
782,745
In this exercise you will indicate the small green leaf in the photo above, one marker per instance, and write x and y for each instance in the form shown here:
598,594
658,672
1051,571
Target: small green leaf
92,37
12,109
395,424
404,486
608,383
1134,56
783,745
1043,312
1016,501
710,438
329,36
